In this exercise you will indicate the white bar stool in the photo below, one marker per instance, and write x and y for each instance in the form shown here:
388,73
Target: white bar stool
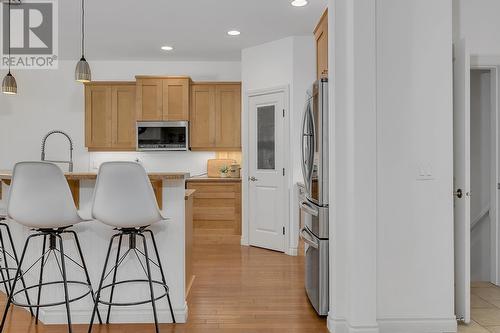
40,199
124,200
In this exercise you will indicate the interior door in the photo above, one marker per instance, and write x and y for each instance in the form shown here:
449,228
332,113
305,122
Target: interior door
461,139
266,174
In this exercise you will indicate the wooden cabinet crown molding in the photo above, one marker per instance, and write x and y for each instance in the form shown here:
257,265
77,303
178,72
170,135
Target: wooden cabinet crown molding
109,83
161,77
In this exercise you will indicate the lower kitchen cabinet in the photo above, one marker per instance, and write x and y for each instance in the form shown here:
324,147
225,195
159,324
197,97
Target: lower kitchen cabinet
217,206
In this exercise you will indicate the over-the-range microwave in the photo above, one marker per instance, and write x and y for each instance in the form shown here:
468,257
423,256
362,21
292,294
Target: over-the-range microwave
162,135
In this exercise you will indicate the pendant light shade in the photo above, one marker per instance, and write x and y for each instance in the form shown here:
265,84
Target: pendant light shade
9,84
82,71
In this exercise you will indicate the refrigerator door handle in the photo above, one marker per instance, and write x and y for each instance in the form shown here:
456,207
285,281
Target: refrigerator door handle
308,238
308,209
305,154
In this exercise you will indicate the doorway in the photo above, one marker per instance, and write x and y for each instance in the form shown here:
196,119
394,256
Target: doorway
267,204
476,145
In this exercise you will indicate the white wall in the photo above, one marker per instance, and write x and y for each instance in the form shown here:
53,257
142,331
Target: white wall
51,99
480,174
398,255
285,62
477,21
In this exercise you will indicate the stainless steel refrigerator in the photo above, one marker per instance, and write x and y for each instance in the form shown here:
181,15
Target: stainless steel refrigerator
315,206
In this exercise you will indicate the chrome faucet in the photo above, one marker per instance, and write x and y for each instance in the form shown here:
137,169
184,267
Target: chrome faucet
44,142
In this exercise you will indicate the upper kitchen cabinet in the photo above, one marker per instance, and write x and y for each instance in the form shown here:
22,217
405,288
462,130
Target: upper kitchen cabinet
110,116
215,118
162,98
176,99
202,118
321,37
228,116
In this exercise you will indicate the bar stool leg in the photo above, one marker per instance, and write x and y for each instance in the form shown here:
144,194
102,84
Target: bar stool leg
66,294
150,282
98,295
114,277
164,280
40,280
17,276
14,253
84,265
6,281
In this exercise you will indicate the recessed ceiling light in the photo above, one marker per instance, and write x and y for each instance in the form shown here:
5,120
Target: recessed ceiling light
233,33
167,48
299,3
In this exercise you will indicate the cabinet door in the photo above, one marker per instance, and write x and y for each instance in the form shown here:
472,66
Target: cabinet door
228,116
176,99
123,121
321,36
202,117
149,99
98,129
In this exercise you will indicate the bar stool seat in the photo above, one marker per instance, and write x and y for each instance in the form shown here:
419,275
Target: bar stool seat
40,199
124,200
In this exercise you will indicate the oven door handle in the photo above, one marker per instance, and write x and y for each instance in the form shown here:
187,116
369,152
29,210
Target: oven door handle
308,238
308,209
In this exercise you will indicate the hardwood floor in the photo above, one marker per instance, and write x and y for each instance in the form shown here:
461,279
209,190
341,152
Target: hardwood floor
485,312
237,289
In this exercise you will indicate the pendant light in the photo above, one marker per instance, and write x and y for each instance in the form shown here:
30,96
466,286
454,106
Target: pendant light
82,71
9,85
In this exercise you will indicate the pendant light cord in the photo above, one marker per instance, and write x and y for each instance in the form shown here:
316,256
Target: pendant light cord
83,28
9,34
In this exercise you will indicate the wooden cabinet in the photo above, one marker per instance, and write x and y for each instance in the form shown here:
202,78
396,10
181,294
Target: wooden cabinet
228,116
215,116
161,99
321,37
202,116
110,116
98,116
217,206
149,99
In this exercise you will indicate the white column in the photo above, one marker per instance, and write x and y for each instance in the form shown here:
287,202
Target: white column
353,249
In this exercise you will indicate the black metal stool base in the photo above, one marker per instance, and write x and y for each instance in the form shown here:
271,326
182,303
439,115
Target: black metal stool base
53,236
5,270
132,234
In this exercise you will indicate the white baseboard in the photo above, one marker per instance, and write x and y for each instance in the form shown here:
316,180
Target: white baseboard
122,315
418,325
244,242
398,325
342,326
292,251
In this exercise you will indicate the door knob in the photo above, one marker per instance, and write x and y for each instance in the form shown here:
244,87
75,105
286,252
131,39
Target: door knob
253,179
458,193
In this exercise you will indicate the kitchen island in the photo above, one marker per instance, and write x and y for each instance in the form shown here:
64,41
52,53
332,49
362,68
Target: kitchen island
170,236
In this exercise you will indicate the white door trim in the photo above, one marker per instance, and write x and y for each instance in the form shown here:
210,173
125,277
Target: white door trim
494,69
285,89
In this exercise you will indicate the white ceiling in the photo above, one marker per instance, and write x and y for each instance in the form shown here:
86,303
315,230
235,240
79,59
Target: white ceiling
136,29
